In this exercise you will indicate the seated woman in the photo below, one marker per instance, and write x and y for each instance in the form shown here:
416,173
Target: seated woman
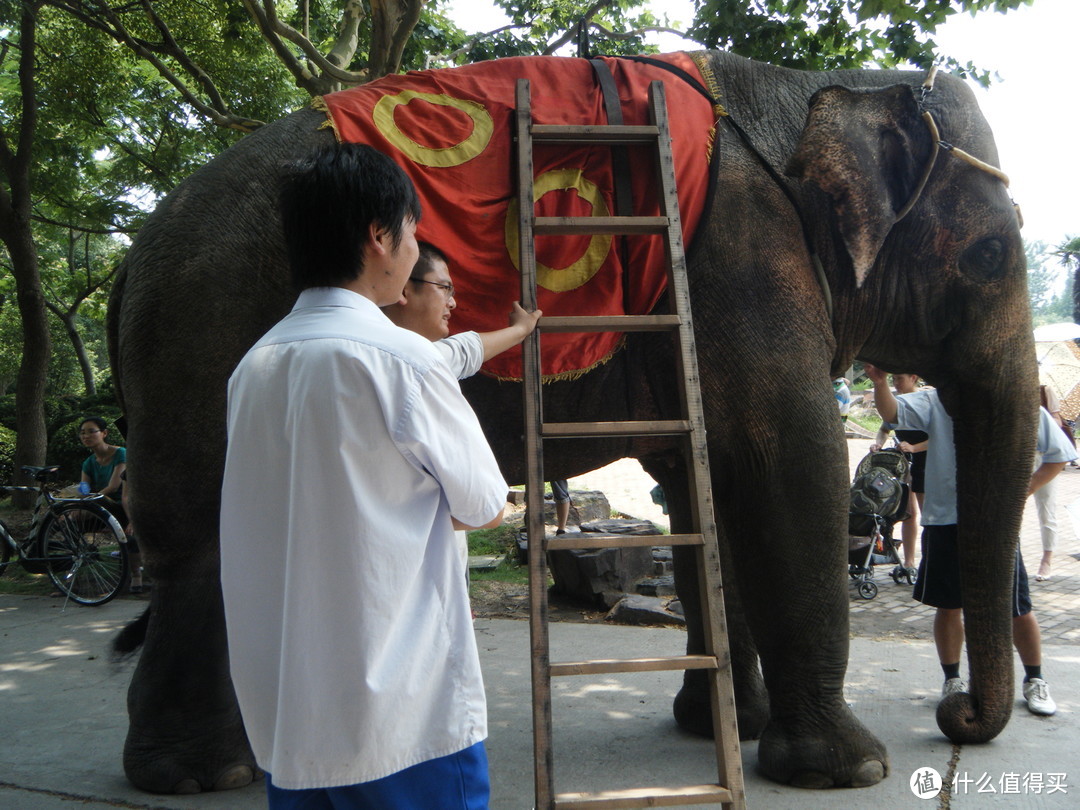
103,472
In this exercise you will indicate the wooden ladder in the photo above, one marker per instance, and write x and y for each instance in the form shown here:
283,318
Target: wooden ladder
728,790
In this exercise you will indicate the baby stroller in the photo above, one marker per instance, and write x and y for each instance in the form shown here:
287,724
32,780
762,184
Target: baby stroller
879,497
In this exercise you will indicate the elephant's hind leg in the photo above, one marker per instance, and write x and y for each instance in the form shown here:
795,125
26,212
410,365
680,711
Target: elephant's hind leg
691,707
185,733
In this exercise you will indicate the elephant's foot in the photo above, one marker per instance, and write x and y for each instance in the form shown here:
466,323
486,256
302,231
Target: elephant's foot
694,714
221,760
822,753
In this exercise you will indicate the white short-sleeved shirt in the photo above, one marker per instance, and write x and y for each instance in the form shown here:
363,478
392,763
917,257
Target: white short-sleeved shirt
1052,446
350,638
922,410
463,352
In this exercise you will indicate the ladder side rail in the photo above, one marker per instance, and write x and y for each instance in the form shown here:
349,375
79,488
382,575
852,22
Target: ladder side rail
540,658
710,584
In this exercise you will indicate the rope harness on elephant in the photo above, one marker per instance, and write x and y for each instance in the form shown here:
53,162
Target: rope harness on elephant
939,144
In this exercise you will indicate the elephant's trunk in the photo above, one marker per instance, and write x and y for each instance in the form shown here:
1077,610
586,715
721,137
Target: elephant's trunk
995,444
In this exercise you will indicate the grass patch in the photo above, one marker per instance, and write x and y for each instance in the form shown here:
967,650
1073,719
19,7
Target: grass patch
17,581
869,421
499,540
505,572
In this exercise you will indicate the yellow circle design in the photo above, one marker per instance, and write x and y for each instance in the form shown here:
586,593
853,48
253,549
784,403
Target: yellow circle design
442,157
581,271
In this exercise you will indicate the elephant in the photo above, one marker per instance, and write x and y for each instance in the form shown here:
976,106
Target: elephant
838,225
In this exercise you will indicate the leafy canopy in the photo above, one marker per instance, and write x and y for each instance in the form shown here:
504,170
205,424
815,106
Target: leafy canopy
830,34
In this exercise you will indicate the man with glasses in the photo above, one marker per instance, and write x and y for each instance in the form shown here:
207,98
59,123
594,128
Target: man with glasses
427,303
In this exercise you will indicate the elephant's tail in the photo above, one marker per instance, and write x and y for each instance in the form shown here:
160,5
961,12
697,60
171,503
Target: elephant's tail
129,639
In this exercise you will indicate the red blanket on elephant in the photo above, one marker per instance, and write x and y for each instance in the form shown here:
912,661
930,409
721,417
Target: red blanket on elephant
451,131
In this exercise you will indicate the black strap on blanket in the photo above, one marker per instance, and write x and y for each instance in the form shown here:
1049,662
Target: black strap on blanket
620,164
678,71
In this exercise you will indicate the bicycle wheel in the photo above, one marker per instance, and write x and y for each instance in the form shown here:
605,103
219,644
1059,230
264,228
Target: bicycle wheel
86,551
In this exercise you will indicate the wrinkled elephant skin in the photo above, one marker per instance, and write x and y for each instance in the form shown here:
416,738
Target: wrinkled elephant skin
941,292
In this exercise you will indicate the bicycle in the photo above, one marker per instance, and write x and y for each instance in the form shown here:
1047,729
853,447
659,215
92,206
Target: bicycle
76,541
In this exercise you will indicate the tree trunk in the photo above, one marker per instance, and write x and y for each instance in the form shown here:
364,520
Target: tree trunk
30,445
68,319
17,235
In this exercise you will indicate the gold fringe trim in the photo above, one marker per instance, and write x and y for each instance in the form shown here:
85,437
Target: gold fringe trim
319,103
701,59
575,374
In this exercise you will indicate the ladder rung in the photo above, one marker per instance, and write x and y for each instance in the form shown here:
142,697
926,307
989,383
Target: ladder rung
609,323
597,540
644,797
660,427
570,226
594,133
603,666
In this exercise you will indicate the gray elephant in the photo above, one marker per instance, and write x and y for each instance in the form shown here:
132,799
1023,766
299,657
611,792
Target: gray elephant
919,267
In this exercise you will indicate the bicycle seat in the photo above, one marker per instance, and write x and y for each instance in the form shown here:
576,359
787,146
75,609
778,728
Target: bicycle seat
42,474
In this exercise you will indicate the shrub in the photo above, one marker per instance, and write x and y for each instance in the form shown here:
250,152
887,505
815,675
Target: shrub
7,455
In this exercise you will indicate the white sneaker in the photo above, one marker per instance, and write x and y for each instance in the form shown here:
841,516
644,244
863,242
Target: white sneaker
952,686
1037,695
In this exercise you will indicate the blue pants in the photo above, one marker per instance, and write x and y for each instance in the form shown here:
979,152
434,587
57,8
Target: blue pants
454,782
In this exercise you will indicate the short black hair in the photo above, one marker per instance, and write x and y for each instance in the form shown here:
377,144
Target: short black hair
329,199
96,420
425,261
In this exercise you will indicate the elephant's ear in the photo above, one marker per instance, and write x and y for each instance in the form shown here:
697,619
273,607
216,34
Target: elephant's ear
865,149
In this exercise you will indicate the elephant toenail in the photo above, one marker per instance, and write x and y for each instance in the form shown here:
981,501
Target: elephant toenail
811,780
237,776
868,773
187,786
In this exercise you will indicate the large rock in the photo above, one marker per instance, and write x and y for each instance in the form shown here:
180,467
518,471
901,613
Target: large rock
602,575
637,609
585,506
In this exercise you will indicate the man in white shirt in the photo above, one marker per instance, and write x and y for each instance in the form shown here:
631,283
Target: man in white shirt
352,457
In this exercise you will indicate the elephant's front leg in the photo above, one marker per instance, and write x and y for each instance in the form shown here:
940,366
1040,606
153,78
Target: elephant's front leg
185,733
785,510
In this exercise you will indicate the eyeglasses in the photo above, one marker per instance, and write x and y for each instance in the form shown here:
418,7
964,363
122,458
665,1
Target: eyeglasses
448,289
89,432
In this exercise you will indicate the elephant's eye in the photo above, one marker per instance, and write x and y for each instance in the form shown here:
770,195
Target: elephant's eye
984,260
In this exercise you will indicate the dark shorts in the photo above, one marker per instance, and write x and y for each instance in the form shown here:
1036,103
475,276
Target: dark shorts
918,472
454,782
938,584
560,491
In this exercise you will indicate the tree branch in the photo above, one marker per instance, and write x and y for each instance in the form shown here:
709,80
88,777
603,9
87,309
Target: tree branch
217,111
96,231
464,49
392,21
568,35
273,29
607,32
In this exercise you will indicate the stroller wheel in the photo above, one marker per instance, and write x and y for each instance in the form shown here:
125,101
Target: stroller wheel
868,590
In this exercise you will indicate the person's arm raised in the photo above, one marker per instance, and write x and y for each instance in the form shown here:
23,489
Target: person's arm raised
522,324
